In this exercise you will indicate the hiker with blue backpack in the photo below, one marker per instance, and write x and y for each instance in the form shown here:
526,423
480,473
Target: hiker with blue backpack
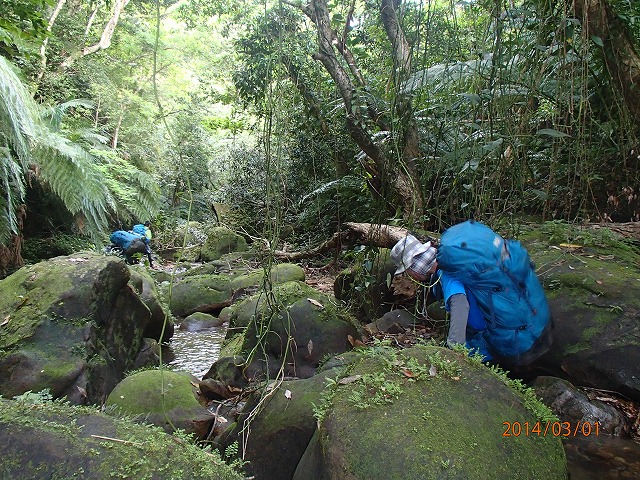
137,240
497,307
144,230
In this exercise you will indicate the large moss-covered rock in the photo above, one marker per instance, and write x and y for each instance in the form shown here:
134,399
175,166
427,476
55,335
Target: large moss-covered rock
72,325
380,413
164,398
210,293
281,431
219,241
425,412
161,322
297,327
278,274
201,293
53,440
200,321
592,284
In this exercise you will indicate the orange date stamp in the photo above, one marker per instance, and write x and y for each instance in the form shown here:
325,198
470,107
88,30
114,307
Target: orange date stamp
555,429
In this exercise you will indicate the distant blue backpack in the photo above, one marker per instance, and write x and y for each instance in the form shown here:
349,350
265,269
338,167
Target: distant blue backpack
129,242
500,274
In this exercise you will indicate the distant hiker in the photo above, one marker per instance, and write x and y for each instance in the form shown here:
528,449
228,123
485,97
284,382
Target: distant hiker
144,231
130,243
496,303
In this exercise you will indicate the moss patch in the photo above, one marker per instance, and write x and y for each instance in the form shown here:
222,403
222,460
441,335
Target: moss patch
53,440
438,425
153,391
279,274
219,241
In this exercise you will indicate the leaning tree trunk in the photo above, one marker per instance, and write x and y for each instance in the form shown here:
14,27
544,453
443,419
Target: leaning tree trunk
390,180
105,38
372,234
620,55
11,252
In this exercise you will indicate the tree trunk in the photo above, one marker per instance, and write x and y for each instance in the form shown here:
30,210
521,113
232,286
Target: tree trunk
43,48
116,131
105,38
620,55
403,107
372,234
11,253
395,183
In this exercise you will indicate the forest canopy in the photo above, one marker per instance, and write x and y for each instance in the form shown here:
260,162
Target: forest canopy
311,114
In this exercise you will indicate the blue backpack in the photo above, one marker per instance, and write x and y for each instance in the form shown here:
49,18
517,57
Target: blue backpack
129,242
500,275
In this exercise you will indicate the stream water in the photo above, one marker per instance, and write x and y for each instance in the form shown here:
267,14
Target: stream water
195,352
588,458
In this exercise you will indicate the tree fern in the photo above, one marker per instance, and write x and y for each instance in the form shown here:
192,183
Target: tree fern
12,189
55,114
135,192
17,129
62,165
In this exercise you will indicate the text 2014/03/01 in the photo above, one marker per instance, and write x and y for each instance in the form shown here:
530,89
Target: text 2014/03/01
556,429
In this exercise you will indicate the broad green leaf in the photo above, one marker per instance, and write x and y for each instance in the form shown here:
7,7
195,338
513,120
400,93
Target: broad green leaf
552,133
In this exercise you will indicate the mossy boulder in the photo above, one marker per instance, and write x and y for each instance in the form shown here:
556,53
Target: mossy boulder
145,286
281,273
201,293
297,325
195,232
53,440
592,282
282,430
219,241
231,346
210,293
425,412
381,413
199,321
164,398
72,325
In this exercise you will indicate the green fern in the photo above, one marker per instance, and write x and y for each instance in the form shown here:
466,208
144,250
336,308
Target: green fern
28,143
135,192
17,130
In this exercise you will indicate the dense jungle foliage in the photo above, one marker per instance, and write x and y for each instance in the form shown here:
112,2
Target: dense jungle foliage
297,116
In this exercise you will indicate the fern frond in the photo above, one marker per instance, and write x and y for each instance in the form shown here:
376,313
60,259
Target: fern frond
12,190
93,137
71,173
348,181
54,114
135,192
18,112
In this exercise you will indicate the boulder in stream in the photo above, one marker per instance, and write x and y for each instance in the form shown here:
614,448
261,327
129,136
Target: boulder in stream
72,325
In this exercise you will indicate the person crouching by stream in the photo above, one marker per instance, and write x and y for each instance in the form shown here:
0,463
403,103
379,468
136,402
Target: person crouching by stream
418,260
504,317
144,231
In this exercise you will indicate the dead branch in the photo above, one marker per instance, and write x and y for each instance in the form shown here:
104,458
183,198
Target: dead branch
386,236
371,234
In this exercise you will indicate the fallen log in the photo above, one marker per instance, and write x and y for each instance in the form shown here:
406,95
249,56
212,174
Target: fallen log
371,234
386,236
